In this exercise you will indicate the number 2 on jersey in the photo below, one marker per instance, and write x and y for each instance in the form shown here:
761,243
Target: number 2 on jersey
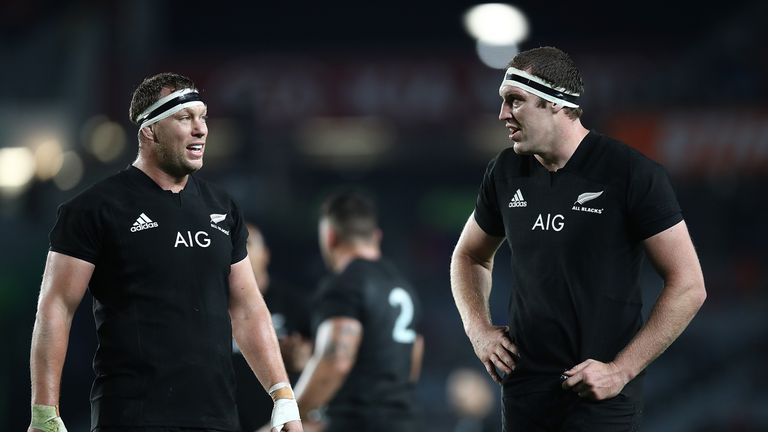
399,297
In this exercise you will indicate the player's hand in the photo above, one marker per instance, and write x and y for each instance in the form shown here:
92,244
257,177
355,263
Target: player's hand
291,426
592,379
313,425
494,348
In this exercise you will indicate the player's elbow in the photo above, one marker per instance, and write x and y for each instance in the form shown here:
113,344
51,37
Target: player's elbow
699,294
695,292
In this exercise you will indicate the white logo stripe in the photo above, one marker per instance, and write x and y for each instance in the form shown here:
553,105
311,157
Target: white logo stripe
145,218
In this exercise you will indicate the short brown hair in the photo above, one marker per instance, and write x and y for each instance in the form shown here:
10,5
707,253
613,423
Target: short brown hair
554,66
352,214
148,92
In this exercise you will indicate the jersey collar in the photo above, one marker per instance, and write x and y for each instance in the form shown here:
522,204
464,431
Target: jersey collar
141,179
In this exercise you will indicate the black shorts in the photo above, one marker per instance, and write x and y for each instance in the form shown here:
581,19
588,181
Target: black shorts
561,410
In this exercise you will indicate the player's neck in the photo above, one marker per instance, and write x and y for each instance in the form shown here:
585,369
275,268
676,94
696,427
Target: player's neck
344,256
163,179
563,147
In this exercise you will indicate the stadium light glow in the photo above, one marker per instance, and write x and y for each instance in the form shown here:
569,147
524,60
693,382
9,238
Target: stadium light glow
107,141
48,157
17,167
71,171
496,24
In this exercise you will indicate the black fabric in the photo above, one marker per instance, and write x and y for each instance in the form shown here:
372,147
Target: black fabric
559,410
378,386
160,298
576,264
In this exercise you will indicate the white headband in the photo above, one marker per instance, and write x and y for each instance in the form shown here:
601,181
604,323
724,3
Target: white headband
168,106
543,89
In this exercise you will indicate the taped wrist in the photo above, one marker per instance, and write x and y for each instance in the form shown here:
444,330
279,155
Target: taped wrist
285,408
281,390
46,418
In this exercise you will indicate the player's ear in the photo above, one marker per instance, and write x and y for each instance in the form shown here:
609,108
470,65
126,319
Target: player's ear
148,134
328,234
555,107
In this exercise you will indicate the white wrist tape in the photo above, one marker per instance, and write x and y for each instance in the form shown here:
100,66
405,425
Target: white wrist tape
284,411
46,418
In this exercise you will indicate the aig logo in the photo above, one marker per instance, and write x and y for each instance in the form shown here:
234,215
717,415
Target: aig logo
200,239
555,223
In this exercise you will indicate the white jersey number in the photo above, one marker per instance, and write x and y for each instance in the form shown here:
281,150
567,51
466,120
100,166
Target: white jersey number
401,333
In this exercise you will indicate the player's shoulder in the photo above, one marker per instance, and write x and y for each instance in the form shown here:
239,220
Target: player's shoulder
99,193
617,149
619,158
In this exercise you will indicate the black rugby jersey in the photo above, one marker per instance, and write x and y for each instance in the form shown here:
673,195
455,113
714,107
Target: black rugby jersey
160,298
378,386
576,242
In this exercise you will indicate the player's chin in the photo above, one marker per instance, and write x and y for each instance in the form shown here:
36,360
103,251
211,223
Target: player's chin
194,165
520,148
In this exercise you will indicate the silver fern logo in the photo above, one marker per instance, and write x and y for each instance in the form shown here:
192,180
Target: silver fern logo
216,219
585,198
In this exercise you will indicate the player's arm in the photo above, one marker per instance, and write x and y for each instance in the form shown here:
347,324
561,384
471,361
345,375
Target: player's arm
336,346
417,354
674,257
65,281
471,271
254,334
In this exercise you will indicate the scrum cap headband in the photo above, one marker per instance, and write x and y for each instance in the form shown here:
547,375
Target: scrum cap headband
543,89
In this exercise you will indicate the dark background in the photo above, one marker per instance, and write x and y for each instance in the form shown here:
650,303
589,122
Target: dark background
391,97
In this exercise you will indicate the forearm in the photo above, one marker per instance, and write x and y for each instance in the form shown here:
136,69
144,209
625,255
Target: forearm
48,351
319,382
471,288
672,313
336,345
256,338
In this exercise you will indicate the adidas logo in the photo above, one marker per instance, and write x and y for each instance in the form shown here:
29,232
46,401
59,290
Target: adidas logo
142,223
518,200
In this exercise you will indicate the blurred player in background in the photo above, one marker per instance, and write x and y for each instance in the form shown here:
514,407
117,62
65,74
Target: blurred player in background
577,209
471,399
367,353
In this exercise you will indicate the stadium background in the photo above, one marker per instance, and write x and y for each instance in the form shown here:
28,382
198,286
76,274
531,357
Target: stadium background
392,97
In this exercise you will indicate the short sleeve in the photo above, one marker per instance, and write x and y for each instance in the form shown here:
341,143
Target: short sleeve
487,212
239,235
338,297
77,232
652,202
